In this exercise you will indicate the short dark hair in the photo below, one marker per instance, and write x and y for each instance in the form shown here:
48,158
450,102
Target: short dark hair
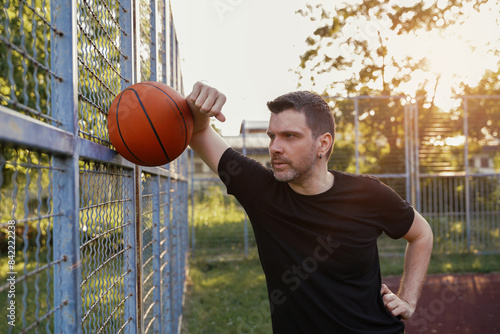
318,115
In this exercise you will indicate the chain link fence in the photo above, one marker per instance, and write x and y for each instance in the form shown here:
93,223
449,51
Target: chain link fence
89,243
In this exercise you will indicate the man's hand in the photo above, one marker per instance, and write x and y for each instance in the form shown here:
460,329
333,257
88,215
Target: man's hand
205,102
396,305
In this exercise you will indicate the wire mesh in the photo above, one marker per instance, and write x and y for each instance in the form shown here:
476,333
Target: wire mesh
150,242
440,134
99,65
147,42
26,235
485,217
162,33
104,191
25,71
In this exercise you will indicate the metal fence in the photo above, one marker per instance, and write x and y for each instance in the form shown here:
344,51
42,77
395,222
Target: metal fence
446,163
89,243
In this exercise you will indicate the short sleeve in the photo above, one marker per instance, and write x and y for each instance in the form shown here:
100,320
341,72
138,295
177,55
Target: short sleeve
242,176
396,215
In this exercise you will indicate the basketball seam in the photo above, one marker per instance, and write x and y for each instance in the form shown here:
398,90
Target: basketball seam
150,123
120,131
182,115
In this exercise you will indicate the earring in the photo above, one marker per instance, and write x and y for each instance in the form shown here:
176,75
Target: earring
320,156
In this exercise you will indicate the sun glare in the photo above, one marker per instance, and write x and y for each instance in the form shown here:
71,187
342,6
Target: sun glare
457,54
449,57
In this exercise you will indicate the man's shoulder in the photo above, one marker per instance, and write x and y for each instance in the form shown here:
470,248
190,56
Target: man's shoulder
232,160
235,166
351,177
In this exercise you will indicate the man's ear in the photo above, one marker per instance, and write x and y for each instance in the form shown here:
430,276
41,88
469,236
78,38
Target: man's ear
325,142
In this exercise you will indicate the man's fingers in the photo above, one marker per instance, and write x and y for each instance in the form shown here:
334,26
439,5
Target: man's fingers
395,305
207,100
221,117
384,290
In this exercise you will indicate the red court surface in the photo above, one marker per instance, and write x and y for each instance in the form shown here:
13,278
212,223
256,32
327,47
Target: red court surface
463,303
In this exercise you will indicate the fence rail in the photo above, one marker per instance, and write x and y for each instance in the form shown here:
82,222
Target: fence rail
90,243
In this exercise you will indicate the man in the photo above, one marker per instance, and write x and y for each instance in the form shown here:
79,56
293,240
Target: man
316,229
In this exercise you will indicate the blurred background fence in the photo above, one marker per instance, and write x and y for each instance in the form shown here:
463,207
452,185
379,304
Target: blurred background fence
446,163
89,243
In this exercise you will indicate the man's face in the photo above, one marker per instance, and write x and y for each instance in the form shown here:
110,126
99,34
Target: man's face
292,146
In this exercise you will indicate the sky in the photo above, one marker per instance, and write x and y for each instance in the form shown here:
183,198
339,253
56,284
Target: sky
249,50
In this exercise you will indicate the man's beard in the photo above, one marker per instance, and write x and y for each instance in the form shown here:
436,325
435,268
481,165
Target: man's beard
298,171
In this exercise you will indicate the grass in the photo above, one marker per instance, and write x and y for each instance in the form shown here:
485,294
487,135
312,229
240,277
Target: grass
227,297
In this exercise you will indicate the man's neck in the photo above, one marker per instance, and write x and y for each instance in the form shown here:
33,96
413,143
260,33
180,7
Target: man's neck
315,184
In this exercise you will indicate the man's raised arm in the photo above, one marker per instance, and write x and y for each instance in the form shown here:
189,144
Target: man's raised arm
205,102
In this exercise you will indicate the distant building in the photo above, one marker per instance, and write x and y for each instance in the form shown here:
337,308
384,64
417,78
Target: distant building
483,162
252,139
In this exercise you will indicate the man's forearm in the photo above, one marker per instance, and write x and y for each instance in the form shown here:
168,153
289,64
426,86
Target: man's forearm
209,146
417,257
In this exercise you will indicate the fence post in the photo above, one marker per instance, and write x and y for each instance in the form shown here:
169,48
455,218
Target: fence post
416,160
138,246
356,133
407,152
154,51
165,255
157,311
129,239
67,275
245,221
467,174
129,72
191,176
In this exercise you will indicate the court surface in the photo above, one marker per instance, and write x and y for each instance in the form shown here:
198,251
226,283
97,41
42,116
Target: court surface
458,303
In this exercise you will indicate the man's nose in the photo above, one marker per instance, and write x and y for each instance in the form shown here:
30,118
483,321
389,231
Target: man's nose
275,146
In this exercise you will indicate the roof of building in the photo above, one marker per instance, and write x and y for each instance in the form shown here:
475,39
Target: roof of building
252,126
256,141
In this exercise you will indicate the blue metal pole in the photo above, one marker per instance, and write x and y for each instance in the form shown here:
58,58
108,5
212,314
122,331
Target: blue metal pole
165,255
157,310
154,51
129,239
67,275
128,71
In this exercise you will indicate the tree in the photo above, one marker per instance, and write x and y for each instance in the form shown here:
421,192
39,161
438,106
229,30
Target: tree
356,51
355,42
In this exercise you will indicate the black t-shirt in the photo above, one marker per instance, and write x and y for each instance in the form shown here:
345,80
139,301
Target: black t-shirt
319,253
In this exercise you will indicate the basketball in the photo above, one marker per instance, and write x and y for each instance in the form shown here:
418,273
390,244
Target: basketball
150,123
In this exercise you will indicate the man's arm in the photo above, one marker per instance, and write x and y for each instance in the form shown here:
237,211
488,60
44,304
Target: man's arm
205,102
417,256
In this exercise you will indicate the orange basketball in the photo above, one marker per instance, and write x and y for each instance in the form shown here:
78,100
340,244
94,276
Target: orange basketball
150,123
